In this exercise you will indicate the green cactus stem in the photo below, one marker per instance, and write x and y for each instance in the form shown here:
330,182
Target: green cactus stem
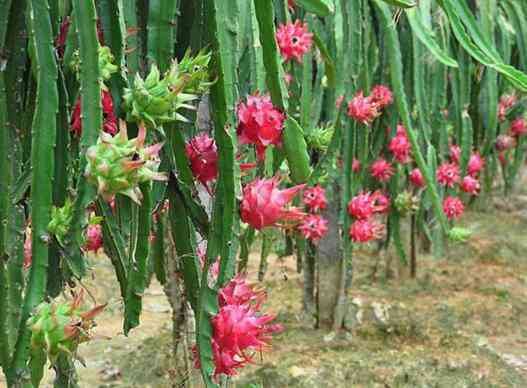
42,161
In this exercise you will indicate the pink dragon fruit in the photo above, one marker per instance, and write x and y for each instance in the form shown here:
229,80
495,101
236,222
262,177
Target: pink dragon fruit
203,156
314,227
448,174
382,96
453,207
260,123
506,102
416,178
400,146
109,119
93,237
381,202
239,328
264,204
363,109
361,206
475,164
315,198
363,231
294,40
518,127
455,153
470,185
381,170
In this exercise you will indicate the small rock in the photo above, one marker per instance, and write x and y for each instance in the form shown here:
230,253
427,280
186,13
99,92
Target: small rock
381,312
296,371
329,337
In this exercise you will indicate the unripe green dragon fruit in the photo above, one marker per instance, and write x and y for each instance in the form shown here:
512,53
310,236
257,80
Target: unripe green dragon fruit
155,101
406,203
319,138
106,66
60,220
117,165
197,68
458,234
58,328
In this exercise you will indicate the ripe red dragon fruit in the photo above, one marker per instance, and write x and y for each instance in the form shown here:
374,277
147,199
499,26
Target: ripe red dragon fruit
117,165
506,102
416,178
382,96
260,123
294,40
314,227
448,174
361,206
505,142
453,207
400,147
203,156
475,164
315,198
339,101
381,170
109,122
470,185
381,202
355,165
363,231
455,153
238,291
363,109
93,237
60,40
264,204
240,330
518,127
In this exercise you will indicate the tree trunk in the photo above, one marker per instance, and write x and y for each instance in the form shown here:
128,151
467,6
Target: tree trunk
329,265
309,278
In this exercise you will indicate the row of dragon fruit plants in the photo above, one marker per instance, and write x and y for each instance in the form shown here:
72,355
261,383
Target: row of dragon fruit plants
208,123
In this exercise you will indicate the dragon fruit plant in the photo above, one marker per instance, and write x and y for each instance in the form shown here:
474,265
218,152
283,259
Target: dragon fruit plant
298,120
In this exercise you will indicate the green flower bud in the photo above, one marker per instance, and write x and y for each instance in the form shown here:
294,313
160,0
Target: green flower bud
61,220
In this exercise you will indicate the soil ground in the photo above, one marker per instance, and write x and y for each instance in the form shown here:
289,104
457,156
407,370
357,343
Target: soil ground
461,323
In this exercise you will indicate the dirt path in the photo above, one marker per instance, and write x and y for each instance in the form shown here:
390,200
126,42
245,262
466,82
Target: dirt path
462,323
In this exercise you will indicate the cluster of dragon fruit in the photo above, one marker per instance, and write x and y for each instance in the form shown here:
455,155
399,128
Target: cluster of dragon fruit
118,165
